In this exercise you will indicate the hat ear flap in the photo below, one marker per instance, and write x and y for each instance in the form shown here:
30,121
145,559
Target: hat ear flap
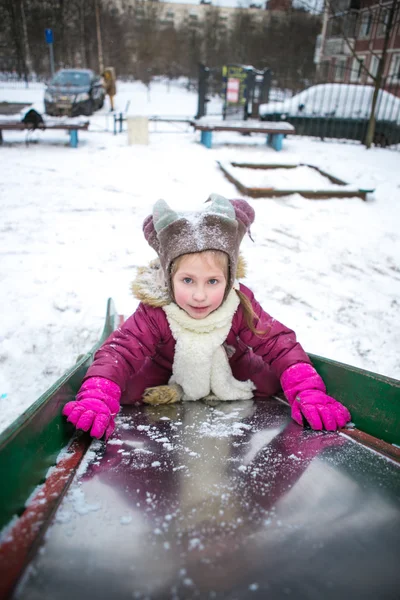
163,215
150,233
244,212
221,206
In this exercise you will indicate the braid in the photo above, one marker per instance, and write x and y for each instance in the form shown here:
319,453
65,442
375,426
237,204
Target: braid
249,314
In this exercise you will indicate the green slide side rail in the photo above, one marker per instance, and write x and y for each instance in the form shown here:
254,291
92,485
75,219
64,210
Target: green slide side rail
30,445
373,400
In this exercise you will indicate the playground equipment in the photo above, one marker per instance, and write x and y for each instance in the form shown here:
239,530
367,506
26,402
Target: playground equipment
218,500
242,87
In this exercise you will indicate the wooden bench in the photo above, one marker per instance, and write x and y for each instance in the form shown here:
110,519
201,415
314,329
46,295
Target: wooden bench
275,131
72,128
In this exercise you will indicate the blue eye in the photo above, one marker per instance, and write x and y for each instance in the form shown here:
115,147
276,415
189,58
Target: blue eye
213,281
187,280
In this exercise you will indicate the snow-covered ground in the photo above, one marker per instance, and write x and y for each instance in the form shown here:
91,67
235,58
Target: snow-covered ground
70,224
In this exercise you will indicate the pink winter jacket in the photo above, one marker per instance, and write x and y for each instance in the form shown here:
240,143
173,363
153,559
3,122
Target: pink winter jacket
140,353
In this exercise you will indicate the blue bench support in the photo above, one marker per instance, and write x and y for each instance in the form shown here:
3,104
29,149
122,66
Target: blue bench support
206,139
73,138
275,140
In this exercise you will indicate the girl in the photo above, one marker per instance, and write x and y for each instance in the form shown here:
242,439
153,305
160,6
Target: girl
198,333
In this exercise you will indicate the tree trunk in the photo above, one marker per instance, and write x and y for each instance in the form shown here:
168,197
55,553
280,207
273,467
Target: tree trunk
99,42
82,33
379,77
25,42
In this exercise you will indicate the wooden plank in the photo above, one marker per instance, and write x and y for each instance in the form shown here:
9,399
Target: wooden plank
265,130
21,540
389,450
270,192
249,126
18,126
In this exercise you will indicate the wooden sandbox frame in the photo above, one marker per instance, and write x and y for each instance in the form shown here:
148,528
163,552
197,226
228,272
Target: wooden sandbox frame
255,192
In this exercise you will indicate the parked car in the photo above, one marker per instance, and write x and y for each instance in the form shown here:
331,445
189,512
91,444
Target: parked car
74,92
338,110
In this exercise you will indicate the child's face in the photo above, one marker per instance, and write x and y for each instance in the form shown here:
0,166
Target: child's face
199,285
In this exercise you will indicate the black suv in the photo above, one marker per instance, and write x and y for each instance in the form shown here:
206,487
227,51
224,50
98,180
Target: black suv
74,92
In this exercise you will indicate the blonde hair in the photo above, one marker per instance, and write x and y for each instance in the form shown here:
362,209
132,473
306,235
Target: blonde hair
221,260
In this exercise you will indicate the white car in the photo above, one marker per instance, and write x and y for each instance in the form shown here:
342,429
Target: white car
338,110
337,100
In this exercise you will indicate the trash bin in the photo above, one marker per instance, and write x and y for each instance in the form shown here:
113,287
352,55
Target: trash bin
138,130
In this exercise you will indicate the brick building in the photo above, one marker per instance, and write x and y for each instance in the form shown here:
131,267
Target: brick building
191,15
359,25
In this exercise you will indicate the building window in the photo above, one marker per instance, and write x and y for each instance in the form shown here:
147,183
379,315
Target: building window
357,69
373,66
342,24
335,27
394,72
350,24
340,69
323,71
366,24
383,20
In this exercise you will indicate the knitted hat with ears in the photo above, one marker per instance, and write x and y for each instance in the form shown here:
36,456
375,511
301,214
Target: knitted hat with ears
220,226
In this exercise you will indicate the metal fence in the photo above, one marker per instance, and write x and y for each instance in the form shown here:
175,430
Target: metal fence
15,82
337,104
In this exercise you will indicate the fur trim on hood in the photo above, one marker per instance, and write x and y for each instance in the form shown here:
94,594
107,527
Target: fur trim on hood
150,288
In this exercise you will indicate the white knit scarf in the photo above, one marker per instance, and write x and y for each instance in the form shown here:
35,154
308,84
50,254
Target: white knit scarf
200,364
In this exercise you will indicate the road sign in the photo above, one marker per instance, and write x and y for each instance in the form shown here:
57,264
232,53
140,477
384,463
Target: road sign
48,33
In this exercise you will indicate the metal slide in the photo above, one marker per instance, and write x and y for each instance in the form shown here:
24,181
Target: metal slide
219,500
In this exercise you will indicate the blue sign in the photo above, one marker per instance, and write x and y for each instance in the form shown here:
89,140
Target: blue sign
49,36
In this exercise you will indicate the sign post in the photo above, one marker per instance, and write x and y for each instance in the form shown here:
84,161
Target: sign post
236,79
49,40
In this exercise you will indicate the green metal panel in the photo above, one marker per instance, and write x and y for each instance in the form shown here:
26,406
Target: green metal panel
30,445
373,400
387,132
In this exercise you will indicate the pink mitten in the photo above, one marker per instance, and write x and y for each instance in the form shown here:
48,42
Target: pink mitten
306,393
95,407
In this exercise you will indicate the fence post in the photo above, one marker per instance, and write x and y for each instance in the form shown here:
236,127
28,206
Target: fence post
204,73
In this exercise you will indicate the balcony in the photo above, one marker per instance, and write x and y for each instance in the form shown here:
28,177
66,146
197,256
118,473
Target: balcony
336,46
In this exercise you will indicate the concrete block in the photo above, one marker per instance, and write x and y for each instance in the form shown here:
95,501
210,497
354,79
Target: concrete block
138,130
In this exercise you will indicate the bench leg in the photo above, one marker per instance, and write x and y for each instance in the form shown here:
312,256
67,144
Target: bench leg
1,137
73,138
206,139
276,141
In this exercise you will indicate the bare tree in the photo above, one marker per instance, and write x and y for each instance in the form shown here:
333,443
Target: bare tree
243,34
384,16
25,41
391,21
215,38
12,11
139,40
190,47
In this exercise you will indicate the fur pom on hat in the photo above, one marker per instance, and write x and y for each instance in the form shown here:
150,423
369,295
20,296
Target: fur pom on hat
220,226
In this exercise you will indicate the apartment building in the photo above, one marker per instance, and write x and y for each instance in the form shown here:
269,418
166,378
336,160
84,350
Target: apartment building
353,35
192,15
